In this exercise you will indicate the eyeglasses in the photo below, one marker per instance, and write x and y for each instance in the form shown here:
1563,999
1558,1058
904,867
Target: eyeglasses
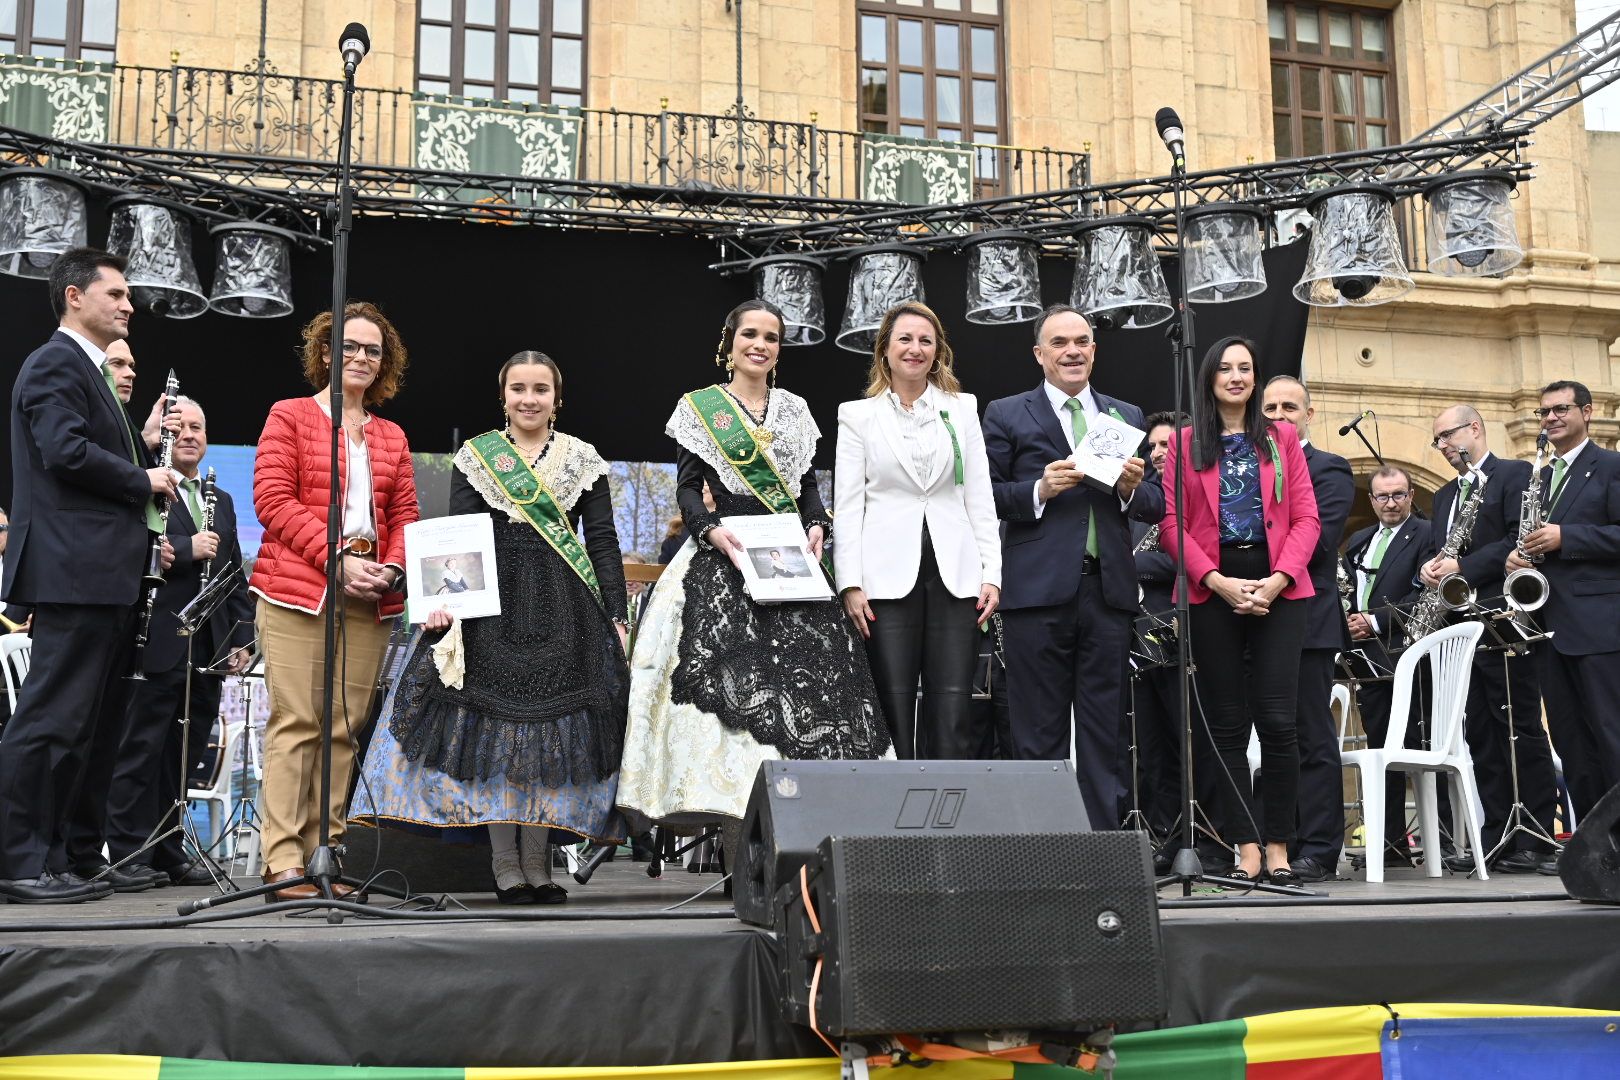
352,349
1385,497
1445,436
1560,411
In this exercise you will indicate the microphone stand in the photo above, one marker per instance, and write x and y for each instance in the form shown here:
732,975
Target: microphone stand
1186,869
323,869
1355,426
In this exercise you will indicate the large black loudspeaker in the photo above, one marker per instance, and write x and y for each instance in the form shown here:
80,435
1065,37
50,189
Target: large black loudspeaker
797,804
952,932
1590,864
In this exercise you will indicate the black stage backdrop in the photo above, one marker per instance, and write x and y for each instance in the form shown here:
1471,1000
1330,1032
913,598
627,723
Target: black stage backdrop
633,318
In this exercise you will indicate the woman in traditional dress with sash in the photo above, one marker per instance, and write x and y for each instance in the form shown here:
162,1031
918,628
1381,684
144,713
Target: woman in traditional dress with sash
720,683
518,719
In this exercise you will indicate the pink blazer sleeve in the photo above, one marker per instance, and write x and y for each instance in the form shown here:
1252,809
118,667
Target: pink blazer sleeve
1304,526
1203,544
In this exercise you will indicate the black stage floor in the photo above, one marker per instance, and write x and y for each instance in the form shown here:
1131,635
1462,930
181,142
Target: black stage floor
613,978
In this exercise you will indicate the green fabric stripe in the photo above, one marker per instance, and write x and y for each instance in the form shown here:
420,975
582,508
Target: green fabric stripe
192,1069
1202,1052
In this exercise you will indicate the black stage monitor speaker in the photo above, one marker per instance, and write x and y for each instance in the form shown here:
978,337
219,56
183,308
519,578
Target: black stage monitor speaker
797,804
922,933
1590,864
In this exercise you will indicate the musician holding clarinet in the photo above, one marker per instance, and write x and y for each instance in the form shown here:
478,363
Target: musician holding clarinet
148,777
82,520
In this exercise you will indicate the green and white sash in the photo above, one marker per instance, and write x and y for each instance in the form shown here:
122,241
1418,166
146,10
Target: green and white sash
735,437
534,501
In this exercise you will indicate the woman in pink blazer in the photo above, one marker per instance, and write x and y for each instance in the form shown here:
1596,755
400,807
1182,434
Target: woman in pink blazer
1249,515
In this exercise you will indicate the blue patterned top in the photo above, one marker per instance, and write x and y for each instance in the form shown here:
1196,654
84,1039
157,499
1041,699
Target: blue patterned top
1243,515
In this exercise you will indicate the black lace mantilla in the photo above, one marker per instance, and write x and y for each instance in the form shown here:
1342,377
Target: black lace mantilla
793,676
546,688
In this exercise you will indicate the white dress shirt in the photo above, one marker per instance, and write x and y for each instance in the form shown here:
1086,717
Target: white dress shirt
917,428
97,355
1060,407
1474,475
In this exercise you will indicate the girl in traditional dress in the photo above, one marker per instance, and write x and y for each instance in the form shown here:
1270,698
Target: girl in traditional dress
518,719
720,683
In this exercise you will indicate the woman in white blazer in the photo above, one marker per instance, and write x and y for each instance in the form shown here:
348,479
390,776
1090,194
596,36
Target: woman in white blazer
918,554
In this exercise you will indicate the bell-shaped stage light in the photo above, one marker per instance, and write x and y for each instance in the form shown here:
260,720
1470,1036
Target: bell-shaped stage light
1225,246
1118,282
252,270
1354,258
1470,225
883,277
1003,278
793,284
155,239
42,214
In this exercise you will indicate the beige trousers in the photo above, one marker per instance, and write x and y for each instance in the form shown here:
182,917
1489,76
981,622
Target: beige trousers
293,643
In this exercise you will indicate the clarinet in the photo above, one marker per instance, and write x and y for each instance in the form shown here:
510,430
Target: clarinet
210,499
152,580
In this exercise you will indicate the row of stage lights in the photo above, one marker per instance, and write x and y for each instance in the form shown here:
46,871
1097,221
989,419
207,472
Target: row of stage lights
44,213
1354,258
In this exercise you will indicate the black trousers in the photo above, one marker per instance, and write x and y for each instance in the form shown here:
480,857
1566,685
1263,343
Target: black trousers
1583,714
1321,774
1487,727
147,778
1070,659
934,635
1248,679
78,658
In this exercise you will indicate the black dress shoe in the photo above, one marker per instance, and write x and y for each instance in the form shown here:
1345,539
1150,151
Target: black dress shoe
1161,862
1462,864
46,889
188,874
1309,870
103,888
1549,866
131,877
1525,862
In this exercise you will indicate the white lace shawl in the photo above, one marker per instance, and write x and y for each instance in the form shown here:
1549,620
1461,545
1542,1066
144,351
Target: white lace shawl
788,419
568,470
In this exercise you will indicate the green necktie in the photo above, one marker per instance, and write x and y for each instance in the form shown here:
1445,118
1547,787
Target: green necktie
1464,486
154,521
191,501
1559,465
1384,536
1077,421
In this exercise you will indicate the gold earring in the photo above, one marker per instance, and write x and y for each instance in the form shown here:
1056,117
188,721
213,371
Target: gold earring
773,374
720,359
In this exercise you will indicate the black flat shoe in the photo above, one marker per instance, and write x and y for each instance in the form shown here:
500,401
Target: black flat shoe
521,893
1284,875
1239,876
549,893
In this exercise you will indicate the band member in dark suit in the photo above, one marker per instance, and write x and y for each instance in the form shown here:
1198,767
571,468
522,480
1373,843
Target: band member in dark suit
1154,693
1460,430
1382,562
1069,582
147,776
78,486
1321,777
1580,673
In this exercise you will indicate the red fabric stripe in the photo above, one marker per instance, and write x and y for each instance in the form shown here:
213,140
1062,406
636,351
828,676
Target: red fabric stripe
1346,1067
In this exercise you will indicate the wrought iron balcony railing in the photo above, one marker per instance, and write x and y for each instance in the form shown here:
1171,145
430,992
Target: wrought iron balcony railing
265,113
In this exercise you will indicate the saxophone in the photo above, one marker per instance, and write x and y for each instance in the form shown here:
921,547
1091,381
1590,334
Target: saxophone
1525,589
1453,593
1149,542
1346,586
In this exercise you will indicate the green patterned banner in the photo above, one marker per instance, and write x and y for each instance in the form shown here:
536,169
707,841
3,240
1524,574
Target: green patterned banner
64,99
464,135
921,172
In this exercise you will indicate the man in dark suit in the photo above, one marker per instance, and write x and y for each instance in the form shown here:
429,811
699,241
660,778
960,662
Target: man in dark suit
81,505
1580,673
1321,774
147,777
1497,680
1382,561
1068,579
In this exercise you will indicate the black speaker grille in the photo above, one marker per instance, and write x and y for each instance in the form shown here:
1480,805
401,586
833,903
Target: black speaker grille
963,932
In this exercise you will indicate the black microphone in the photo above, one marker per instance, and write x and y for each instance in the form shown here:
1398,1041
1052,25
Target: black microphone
1352,425
1169,125
354,43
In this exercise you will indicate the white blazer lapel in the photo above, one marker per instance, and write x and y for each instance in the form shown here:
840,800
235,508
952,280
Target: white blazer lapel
944,453
890,423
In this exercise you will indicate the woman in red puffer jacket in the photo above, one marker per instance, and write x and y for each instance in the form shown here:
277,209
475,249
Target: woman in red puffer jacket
291,494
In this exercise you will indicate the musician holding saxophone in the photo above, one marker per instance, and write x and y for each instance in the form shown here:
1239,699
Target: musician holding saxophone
147,777
81,487
1459,434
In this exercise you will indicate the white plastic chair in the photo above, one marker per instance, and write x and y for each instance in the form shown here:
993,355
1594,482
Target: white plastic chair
1339,702
216,797
1450,653
16,652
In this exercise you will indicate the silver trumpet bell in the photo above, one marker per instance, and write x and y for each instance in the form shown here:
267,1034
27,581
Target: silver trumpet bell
1455,593
1525,589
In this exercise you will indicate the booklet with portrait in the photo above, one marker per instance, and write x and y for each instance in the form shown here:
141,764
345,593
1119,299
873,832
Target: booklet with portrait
1103,450
450,564
776,563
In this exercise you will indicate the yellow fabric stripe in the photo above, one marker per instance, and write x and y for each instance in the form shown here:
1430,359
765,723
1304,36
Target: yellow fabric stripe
80,1067
1334,1032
